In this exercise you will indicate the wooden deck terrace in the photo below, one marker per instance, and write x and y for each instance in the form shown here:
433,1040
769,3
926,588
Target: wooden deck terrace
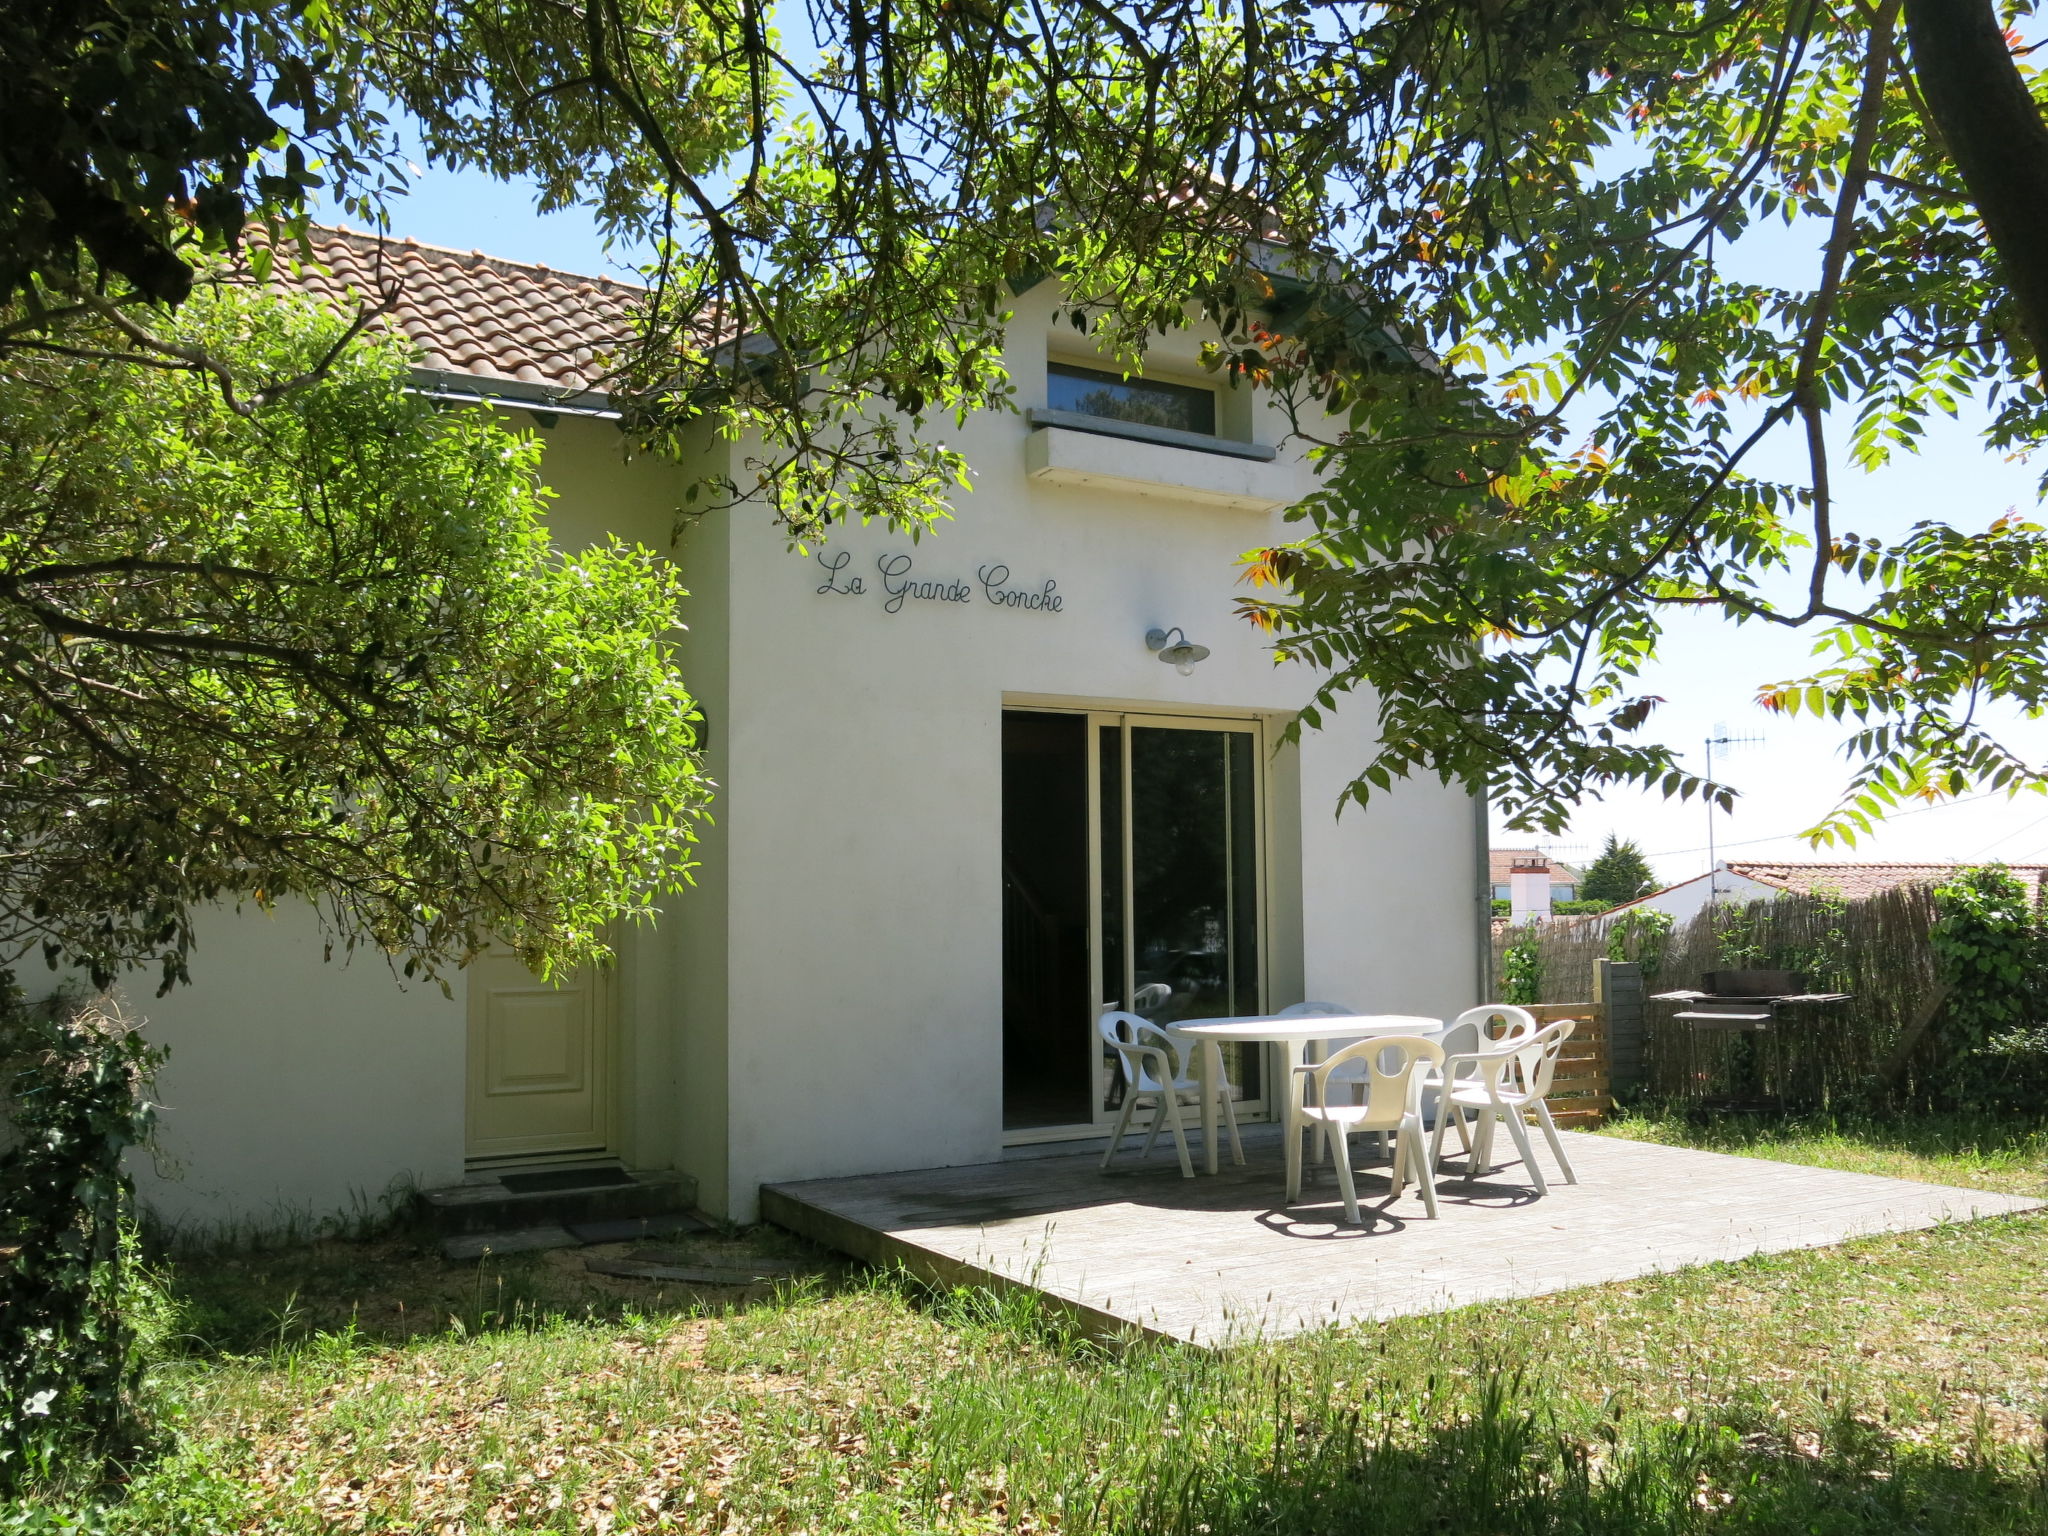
1215,1260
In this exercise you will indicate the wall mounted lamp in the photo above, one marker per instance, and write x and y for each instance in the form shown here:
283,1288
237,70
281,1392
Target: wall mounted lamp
1182,653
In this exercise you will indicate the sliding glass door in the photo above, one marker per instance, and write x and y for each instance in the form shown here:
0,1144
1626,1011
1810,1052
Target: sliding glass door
1048,913
1171,831
1181,892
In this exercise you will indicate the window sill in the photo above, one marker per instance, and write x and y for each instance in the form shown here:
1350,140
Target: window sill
1153,467
1143,432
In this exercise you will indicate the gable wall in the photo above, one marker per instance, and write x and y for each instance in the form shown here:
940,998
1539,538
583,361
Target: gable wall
862,808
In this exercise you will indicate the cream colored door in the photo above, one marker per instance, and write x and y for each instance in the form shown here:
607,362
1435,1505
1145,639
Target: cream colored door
539,1060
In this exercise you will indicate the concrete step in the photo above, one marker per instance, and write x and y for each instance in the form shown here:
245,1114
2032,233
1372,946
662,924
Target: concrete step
599,1198
636,1267
466,1247
626,1229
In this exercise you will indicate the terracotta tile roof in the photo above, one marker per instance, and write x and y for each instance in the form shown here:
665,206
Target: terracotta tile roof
479,316
1501,861
1853,882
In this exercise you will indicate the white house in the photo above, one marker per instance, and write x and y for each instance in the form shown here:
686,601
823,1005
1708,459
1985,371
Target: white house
1688,898
1740,882
962,804
1503,863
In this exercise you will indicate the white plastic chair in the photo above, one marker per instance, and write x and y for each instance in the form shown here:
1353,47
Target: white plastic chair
1353,1075
1469,1033
1394,1069
1506,1080
1154,1071
1315,1010
1145,1002
1150,997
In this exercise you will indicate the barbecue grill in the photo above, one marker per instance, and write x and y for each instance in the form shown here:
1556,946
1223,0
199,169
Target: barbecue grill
1743,999
1742,1004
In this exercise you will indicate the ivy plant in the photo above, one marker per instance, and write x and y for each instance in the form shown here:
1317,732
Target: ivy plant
1521,971
1640,934
74,1079
1989,950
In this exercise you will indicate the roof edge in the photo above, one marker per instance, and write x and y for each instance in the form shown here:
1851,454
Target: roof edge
504,263
447,384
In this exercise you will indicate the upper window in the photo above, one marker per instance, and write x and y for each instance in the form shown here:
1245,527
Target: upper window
1094,392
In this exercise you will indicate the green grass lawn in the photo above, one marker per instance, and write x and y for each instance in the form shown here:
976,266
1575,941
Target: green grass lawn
1977,1151
1895,1384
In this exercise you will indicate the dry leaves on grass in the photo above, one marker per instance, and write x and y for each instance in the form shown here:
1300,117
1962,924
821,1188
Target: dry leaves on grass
649,1439
462,1456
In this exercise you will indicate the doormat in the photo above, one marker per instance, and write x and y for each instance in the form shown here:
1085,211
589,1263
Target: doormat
563,1178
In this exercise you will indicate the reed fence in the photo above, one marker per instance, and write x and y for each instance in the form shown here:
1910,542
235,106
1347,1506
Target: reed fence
1812,1056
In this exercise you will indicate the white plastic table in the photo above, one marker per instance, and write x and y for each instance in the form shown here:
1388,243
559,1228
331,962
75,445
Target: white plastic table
1291,1034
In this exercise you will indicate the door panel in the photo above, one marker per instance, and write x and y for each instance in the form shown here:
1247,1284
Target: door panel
1132,864
1046,985
539,1059
1193,881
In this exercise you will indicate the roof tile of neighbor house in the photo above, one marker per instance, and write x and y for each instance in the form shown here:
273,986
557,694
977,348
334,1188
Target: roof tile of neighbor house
1500,862
1853,882
477,315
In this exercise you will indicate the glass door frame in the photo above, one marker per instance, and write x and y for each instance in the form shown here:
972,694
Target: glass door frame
1104,1120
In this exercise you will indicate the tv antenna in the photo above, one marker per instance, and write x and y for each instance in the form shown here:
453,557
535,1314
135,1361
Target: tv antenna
1720,737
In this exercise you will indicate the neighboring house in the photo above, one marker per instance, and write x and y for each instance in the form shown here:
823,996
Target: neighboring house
1500,867
1745,881
962,806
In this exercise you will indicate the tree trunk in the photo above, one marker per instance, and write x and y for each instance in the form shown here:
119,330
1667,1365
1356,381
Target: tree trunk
1995,135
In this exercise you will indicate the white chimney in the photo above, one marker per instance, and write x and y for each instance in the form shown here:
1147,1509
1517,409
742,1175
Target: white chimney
1528,890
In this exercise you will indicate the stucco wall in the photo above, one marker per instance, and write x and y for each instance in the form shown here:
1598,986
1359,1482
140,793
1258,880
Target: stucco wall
828,1000
695,931
862,805
297,1088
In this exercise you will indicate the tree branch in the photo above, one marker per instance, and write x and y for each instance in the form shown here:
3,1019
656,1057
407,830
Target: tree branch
1841,239
62,626
137,565
1994,132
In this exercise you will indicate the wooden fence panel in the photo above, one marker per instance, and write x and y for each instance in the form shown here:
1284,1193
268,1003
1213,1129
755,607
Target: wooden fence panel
1582,1092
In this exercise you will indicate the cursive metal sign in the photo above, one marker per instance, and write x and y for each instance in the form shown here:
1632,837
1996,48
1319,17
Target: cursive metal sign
995,586
900,585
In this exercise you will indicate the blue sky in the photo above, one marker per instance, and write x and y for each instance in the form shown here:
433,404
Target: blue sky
1709,672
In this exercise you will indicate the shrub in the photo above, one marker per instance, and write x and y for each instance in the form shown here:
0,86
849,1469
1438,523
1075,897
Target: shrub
1640,935
1988,948
75,1075
1502,907
1521,971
